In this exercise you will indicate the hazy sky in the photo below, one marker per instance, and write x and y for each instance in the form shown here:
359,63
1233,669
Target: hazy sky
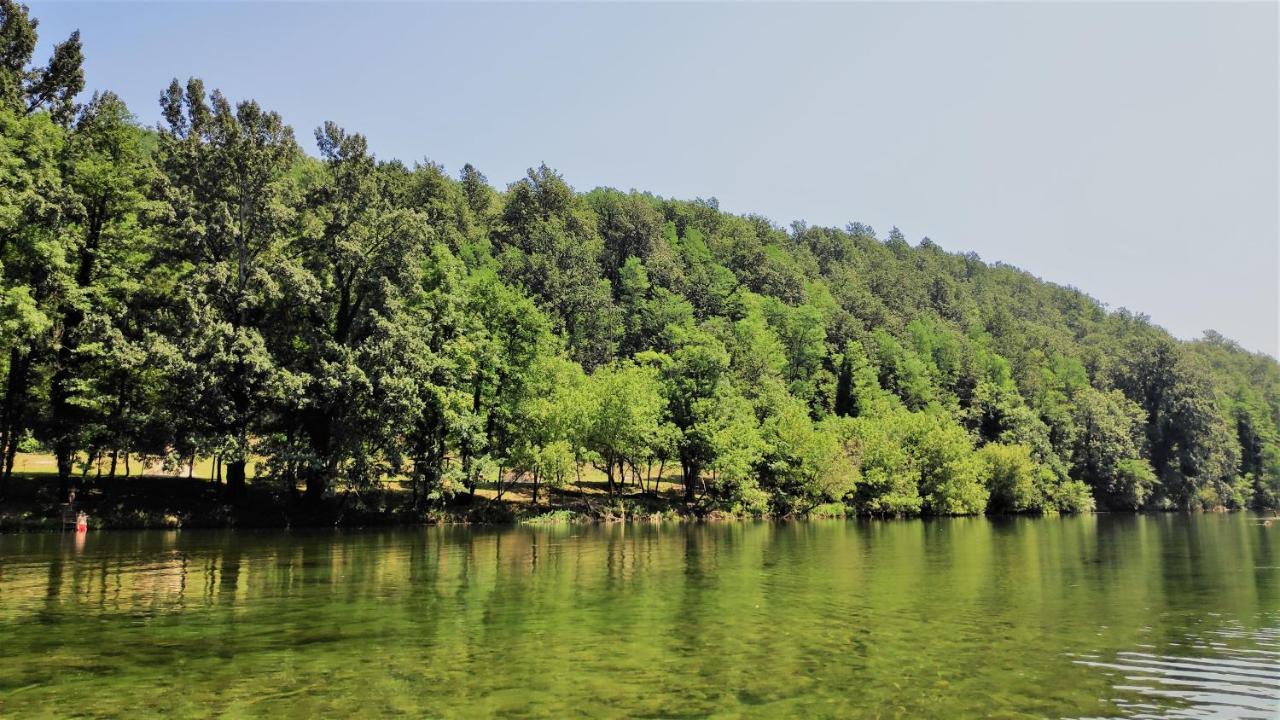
1130,150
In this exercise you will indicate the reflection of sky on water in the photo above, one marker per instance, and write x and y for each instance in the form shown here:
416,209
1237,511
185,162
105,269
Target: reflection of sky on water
1231,672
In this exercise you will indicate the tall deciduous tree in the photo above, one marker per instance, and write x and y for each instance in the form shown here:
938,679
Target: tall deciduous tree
233,212
106,175
26,89
362,256
548,244
627,406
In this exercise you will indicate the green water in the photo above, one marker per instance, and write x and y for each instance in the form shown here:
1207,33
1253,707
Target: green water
1086,616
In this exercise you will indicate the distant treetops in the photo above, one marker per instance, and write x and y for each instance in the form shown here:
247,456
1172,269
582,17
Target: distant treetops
207,288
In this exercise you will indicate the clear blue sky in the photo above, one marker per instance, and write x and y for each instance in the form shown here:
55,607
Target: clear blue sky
1130,150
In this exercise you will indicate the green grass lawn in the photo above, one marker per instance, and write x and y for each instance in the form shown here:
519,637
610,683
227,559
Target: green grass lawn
152,496
593,481
45,464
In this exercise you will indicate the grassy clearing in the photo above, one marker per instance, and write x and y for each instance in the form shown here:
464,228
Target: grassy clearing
44,464
153,497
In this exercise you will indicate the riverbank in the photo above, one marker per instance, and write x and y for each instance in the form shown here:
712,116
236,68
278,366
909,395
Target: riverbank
34,504
147,502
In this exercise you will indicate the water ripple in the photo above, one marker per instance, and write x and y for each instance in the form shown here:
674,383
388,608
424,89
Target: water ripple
1239,678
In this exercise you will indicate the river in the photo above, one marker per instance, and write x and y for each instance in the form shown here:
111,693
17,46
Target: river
1092,616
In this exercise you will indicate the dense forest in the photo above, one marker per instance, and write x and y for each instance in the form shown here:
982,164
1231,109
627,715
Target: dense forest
212,288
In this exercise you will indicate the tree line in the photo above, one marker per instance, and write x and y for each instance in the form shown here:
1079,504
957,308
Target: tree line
208,288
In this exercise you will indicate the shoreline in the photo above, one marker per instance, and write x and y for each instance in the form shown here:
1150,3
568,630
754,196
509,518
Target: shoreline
134,504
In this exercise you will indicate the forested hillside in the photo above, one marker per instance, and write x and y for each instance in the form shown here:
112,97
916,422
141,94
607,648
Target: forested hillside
218,287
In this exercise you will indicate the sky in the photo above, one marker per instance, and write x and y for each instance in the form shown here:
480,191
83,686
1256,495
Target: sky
1131,150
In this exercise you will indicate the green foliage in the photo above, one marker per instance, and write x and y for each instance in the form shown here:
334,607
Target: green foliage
626,410
890,480
735,451
1011,478
207,289
1106,449
49,89
549,244
902,372
950,472
806,463
551,423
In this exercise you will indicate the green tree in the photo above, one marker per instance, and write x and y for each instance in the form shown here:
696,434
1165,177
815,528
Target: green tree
361,255
736,449
806,463
950,472
33,267
902,372
232,212
858,391
1011,478
508,335
692,382
106,174
436,348
551,425
25,90
629,226
1107,452
475,186
549,246
888,483
626,407
1193,448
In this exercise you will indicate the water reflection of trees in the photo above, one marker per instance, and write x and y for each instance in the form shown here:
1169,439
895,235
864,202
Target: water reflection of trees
717,614
1129,559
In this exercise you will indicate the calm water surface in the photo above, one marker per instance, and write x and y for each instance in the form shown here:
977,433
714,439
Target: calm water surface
1150,616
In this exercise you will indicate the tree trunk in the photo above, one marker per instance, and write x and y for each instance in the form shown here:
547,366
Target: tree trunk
477,389
317,484
436,467
11,422
63,455
690,472
235,480
319,476
64,416
9,457
4,451
291,480
468,480
4,445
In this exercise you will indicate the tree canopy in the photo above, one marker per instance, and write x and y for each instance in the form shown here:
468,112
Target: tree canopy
211,287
